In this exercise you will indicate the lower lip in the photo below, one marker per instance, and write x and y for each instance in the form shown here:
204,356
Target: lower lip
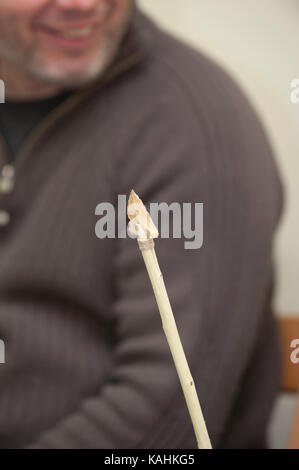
70,43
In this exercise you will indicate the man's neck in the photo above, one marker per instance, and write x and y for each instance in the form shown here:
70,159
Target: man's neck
20,86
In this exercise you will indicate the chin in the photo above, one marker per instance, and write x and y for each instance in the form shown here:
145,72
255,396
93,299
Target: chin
72,76
74,72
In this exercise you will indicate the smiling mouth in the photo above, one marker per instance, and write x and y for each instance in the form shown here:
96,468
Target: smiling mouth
72,33
79,32
71,39
76,33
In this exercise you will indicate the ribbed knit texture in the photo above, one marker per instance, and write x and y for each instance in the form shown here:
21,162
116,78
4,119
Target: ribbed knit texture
88,365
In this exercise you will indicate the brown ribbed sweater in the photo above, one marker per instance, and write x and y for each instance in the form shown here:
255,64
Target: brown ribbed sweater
87,361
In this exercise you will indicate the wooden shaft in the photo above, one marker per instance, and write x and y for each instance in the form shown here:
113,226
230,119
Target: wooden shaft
176,348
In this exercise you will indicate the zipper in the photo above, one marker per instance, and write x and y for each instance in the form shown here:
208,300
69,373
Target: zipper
7,181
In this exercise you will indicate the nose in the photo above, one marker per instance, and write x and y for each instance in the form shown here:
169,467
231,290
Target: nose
82,5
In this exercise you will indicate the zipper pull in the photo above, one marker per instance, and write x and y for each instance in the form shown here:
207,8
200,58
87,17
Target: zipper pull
7,179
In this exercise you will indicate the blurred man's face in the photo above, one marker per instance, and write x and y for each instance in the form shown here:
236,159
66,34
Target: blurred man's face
64,42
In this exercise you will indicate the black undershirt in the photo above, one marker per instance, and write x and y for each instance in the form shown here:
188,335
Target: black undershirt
18,118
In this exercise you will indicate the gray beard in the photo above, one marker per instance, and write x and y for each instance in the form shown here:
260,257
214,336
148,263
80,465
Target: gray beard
55,75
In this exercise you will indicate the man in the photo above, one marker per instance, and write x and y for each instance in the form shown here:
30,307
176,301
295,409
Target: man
99,100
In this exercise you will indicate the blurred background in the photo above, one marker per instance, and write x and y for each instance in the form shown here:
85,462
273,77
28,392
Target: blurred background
257,41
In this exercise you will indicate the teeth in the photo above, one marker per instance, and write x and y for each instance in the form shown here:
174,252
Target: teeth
77,33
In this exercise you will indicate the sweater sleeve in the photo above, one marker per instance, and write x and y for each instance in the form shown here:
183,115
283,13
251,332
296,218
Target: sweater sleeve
213,151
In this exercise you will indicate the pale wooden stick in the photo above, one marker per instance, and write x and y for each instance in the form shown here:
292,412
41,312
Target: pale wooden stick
146,244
